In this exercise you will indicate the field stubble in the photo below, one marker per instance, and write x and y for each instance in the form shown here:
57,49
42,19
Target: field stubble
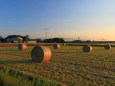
69,65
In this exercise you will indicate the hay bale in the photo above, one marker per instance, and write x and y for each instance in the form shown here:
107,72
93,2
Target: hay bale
56,46
107,46
87,48
22,47
41,54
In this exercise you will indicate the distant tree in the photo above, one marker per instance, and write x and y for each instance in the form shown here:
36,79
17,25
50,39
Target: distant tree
2,39
39,41
13,36
77,41
48,40
57,40
61,40
88,41
26,38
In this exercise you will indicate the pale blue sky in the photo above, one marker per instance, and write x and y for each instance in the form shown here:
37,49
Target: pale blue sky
88,19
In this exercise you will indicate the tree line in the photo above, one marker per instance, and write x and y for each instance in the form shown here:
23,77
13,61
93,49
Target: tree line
27,38
51,40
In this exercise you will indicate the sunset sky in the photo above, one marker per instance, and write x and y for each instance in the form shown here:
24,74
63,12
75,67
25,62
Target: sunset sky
86,19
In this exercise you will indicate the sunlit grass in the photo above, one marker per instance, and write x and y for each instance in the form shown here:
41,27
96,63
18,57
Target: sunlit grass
68,65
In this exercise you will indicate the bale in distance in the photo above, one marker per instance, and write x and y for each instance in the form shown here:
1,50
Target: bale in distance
56,46
107,46
22,47
87,48
41,54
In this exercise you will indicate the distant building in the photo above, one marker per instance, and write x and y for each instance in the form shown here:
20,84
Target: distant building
31,42
12,39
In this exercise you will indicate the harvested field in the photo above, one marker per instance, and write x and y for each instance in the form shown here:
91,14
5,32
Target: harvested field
68,65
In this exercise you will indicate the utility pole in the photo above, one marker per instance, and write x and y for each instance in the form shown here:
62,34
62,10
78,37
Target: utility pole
46,32
78,38
102,39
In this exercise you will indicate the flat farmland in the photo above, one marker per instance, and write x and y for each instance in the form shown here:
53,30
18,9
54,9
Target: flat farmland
69,65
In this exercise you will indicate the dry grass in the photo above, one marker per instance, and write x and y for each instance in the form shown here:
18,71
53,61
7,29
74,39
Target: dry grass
68,65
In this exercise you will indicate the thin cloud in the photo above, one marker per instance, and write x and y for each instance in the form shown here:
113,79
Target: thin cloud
47,29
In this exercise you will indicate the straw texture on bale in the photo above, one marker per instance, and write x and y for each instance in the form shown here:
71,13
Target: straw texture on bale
41,54
56,46
22,47
87,48
107,46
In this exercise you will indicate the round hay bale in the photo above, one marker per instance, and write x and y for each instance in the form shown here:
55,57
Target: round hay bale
56,46
107,46
22,47
87,48
41,54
